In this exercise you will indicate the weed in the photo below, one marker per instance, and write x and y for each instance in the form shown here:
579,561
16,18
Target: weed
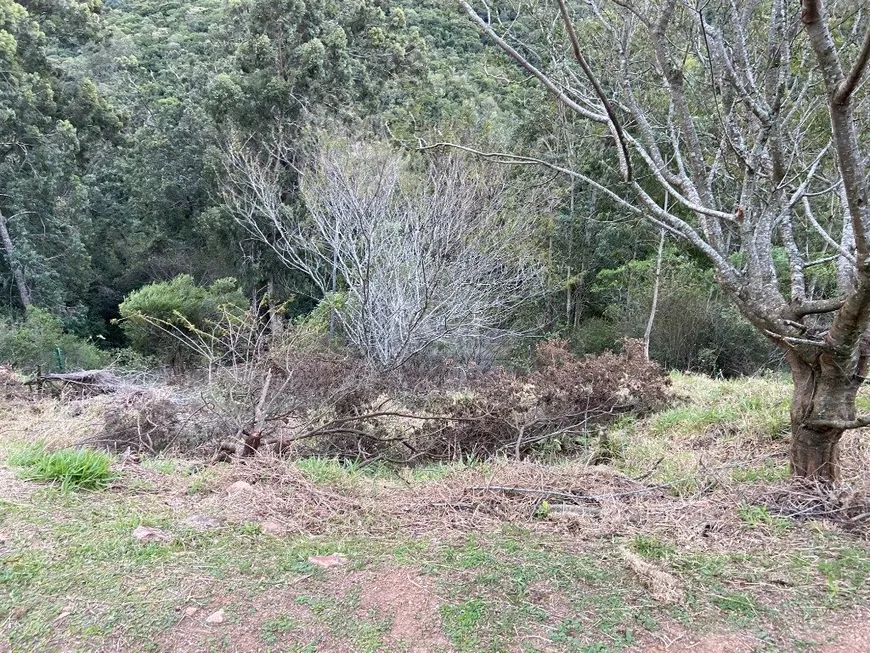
759,516
651,548
846,571
72,469
461,623
739,604
280,625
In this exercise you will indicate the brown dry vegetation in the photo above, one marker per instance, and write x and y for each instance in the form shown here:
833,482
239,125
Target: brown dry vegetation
686,536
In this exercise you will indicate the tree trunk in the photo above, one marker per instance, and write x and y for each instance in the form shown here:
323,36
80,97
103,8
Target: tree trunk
820,395
647,336
17,274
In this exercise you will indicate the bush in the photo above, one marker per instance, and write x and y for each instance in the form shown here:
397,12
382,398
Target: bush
34,343
159,317
72,469
696,328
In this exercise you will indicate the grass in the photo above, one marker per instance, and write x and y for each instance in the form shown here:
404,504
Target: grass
330,471
759,516
73,576
754,408
70,469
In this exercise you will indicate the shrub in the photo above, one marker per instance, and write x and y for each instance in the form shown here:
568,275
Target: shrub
696,328
72,469
158,317
34,343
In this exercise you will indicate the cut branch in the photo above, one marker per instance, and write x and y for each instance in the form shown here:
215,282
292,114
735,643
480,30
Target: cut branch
841,425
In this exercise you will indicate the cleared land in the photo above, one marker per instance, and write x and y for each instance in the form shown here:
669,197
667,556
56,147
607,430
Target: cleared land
689,537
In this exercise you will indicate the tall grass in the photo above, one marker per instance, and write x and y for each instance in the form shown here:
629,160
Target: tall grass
70,469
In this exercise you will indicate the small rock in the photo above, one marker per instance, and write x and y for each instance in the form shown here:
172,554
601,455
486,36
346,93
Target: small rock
239,486
333,560
215,617
202,523
189,612
149,534
20,612
272,528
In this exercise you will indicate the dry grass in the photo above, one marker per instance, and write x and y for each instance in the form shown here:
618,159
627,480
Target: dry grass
692,528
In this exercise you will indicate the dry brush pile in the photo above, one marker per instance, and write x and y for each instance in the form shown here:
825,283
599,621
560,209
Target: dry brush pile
310,400
293,396
266,386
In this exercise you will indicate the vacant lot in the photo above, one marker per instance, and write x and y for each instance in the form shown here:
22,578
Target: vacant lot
686,536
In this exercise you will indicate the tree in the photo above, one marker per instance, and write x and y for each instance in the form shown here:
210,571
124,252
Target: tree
49,125
744,180
412,258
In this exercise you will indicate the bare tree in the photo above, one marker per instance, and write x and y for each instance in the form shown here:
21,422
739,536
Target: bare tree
742,114
647,335
419,257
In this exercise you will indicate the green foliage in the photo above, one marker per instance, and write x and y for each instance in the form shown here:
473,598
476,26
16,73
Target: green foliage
51,126
112,119
34,341
290,60
696,328
71,469
154,316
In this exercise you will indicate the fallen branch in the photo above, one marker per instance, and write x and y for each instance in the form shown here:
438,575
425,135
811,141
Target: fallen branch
98,380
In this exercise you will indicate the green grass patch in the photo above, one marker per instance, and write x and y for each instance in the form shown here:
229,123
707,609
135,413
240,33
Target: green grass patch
846,571
461,623
755,407
759,516
651,548
770,472
739,604
70,469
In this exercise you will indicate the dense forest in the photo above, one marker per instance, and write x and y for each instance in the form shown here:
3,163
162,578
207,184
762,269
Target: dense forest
116,174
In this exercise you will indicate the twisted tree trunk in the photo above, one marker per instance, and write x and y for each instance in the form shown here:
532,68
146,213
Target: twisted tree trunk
815,451
823,408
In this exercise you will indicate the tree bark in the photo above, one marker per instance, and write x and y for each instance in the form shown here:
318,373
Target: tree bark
17,274
821,394
647,336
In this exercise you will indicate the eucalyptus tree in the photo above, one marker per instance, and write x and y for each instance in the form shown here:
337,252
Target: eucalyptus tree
49,125
733,128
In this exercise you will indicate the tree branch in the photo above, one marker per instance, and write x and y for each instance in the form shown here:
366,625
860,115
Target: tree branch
819,306
792,341
625,159
531,69
848,85
843,425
